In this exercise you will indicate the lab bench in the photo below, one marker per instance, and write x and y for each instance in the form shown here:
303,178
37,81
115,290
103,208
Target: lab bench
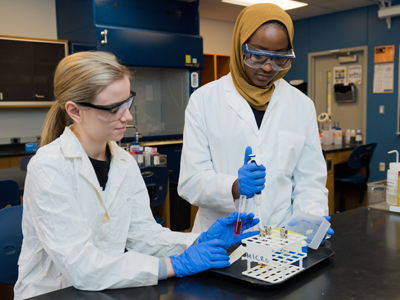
11,154
365,266
336,157
175,211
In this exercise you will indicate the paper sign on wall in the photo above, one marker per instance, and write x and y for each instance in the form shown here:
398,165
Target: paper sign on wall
384,54
339,75
383,78
354,75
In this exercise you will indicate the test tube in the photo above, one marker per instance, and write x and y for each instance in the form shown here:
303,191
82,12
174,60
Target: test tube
238,225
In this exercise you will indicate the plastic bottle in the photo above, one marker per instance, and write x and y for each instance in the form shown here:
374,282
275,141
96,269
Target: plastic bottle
155,157
398,184
338,137
359,137
147,156
134,148
140,158
392,180
347,138
343,137
352,136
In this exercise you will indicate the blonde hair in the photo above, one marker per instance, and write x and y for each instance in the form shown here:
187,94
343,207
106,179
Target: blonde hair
79,78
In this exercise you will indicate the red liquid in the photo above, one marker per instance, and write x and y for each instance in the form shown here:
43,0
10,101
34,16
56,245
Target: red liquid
238,227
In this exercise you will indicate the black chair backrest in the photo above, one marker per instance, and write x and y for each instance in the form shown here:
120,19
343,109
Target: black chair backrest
23,162
10,243
361,156
9,193
156,176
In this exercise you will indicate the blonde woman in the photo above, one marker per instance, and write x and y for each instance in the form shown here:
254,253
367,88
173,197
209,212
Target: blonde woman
87,220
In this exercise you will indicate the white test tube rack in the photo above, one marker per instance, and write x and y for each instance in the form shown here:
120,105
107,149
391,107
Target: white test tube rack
276,257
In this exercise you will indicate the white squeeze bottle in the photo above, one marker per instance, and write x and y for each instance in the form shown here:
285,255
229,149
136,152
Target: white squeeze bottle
392,180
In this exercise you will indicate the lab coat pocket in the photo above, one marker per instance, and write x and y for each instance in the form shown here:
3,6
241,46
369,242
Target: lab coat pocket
290,146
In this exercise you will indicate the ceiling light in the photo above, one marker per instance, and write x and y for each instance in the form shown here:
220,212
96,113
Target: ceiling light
284,4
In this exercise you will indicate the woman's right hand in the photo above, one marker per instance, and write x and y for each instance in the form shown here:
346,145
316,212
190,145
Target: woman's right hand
251,177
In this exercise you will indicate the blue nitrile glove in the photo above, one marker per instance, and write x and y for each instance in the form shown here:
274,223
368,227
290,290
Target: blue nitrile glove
330,230
201,257
223,229
251,178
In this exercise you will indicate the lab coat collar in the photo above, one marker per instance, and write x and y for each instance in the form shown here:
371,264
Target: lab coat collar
118,169
240,105
72,148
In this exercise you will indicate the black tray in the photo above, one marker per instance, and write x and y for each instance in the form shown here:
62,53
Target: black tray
234,271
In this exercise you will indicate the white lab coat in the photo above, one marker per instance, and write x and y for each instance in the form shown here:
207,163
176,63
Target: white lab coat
219,125
66,241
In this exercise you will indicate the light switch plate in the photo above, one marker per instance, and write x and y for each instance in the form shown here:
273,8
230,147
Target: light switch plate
381,109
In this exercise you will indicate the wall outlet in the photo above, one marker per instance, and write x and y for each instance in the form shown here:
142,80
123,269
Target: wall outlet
381,109
382,166
15,140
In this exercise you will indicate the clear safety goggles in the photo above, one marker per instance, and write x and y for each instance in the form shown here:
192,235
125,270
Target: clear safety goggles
113,112
257,58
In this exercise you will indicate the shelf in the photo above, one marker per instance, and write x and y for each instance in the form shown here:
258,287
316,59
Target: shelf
215,66
25,104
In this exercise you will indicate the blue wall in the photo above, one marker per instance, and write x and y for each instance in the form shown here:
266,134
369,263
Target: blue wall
356,27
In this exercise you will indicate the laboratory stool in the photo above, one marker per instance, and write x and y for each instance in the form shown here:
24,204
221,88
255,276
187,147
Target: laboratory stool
156,180
359,158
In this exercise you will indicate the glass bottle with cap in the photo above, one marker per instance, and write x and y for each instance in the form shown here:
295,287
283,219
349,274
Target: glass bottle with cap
352,136
347,138
359,137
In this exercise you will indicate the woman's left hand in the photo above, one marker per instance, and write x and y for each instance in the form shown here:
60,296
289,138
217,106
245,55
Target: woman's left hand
330,230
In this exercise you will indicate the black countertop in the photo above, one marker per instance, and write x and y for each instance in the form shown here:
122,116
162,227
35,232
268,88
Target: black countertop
366,265
336,148
9,150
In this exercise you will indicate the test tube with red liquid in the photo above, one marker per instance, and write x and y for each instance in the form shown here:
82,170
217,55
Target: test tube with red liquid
239,223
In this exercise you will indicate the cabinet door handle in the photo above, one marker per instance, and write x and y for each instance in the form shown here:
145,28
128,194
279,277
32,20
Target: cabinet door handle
104,35
39,96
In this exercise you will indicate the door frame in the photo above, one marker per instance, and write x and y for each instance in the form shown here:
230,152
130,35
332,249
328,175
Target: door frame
313,56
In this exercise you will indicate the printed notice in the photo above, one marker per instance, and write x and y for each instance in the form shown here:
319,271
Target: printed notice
354,74
384,54
383,78
339,75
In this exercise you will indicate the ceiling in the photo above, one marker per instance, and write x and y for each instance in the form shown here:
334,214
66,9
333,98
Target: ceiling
216,10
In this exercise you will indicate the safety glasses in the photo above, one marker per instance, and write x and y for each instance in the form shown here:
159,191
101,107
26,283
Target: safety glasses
114,112
257,58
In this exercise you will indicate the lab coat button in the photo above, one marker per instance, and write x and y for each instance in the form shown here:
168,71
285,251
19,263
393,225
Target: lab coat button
260,151
105,218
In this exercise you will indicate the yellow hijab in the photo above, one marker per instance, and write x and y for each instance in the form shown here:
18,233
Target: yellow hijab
248,21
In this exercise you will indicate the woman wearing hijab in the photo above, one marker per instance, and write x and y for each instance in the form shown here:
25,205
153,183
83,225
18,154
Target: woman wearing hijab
252,109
